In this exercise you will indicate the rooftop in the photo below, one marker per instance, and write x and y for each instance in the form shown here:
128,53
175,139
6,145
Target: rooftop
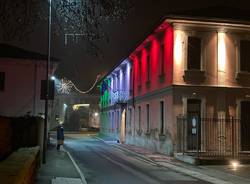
10,51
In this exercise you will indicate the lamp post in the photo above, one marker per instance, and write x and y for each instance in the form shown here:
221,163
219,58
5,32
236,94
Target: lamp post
47,85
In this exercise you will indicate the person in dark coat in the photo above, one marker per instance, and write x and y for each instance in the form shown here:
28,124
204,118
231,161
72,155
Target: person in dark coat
60,136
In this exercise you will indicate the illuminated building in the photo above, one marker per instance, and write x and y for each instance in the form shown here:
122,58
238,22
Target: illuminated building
188,89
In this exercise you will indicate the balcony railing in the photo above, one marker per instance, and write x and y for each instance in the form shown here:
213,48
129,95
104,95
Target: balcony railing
120,96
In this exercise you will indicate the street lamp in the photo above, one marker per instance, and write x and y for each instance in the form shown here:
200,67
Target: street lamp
47,85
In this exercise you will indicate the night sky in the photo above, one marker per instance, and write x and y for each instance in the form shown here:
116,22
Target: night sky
82,68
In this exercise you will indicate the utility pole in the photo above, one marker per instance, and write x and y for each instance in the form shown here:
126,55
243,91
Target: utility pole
47,85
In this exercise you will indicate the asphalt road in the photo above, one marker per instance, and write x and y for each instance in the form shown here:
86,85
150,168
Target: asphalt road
103,163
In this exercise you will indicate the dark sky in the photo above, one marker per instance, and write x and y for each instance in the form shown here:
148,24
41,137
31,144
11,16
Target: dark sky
82,68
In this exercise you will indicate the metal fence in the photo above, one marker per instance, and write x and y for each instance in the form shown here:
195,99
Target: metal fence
209,137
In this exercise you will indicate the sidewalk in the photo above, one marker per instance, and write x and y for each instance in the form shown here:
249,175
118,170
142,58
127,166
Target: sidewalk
217,174
59,168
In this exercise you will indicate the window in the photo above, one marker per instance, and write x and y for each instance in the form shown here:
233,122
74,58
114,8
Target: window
161,117
130,117
2,81
139,117
162,60
194,53
113,121
148,67
139,73
148,121
131,79
245,55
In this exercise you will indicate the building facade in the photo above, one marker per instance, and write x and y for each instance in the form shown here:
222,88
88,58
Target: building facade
115,92
189,89
21,74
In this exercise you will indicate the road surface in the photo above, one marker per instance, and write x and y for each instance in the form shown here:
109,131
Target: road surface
104,163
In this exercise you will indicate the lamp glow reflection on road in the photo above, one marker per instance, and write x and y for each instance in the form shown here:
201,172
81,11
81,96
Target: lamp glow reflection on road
234,164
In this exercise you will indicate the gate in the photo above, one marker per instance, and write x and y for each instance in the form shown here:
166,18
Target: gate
209,137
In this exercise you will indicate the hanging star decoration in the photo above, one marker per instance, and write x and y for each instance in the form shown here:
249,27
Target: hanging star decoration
65,86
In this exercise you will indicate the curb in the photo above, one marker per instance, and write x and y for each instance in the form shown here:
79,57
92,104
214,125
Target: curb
180,169
76,166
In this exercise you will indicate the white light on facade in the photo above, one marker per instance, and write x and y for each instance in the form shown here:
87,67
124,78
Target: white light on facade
96,114
221,52
178,51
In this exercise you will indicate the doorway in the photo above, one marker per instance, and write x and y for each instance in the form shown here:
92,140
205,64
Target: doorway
193,124
245,126
123,127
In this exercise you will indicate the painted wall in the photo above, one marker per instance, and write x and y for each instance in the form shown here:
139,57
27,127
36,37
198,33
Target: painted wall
22,87
115,88
151,50
219,55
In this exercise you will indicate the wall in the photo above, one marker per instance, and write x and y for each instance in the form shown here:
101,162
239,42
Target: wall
22,87
150,49
219,55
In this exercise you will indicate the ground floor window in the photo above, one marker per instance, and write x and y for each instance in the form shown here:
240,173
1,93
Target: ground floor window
139,117
162,117
148,121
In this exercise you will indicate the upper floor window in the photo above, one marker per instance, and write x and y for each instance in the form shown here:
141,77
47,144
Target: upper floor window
131,81
245,55
148,67
2,81
162,60
139,73
194,53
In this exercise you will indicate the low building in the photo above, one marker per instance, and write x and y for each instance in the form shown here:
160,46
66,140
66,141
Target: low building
188,87
21,74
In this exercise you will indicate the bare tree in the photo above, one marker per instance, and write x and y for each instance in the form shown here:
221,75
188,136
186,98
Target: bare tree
74,19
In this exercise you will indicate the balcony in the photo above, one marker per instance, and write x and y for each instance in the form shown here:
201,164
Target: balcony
120,96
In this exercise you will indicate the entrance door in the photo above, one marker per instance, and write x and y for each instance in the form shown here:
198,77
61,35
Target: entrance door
123,127
193,123
245,126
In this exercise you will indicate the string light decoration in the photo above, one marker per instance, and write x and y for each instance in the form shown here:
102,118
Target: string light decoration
65,86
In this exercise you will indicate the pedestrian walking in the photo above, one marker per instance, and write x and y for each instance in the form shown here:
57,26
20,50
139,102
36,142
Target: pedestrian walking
60,136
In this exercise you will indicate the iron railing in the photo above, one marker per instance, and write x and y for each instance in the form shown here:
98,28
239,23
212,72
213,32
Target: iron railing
209,137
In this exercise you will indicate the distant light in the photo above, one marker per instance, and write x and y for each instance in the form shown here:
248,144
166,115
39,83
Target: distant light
194,93
65,105
77,106
96,114
53,77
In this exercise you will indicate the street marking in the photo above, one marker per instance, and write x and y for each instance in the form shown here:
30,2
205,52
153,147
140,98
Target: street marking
77,168
62,180
134,172
194,174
